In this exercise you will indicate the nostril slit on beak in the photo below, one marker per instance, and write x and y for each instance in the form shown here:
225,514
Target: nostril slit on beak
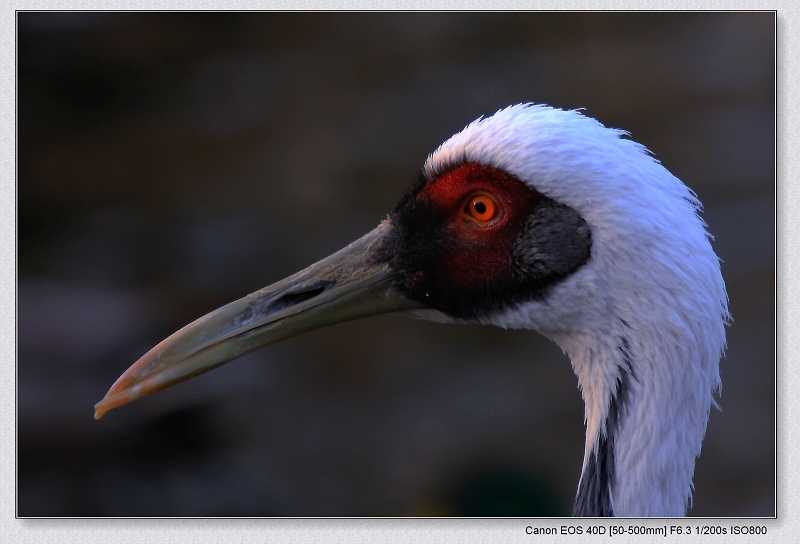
290,299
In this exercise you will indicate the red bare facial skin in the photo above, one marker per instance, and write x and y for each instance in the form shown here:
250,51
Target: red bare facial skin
478,253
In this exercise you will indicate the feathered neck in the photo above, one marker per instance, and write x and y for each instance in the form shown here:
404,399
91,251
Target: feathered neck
643,321
646,410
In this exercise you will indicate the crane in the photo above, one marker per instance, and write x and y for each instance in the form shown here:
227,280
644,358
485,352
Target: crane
534,218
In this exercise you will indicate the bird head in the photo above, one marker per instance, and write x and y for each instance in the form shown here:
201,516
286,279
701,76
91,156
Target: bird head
531,218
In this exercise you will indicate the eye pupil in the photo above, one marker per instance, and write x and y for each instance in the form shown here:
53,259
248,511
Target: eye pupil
480,207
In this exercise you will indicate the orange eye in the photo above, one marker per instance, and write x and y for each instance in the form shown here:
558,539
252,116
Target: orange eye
482,208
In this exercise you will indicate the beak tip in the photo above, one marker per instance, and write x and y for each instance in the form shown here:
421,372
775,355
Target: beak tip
124,391
114,399
100,409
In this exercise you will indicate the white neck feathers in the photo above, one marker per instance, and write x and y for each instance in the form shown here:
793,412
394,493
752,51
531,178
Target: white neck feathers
651,296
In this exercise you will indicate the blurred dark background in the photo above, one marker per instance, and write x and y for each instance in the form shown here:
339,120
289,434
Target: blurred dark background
171,162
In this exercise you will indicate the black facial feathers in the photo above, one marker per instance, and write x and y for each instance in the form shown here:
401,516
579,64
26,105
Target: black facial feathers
553,243
467,275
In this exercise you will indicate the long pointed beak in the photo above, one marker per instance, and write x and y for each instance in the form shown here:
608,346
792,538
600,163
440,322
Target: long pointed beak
349,284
